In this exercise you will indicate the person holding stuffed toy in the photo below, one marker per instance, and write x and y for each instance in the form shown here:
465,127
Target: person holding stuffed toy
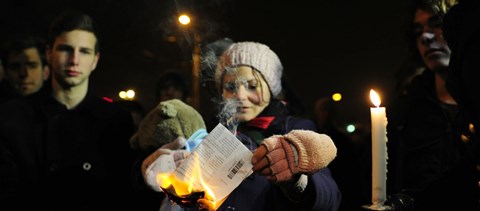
289,158
172,129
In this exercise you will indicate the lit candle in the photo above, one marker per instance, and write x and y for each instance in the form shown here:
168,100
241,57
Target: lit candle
379,153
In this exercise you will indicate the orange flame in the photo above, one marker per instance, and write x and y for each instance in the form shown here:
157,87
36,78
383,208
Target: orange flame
192,183
374,98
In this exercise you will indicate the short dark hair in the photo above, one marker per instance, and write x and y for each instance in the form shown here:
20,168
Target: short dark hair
72,20
18,43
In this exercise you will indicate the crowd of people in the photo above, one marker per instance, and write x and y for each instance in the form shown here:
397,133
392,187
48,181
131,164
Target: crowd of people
62,147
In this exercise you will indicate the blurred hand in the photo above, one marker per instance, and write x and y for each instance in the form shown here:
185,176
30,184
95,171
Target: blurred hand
153,157
161,161
170,148
179,156
178,143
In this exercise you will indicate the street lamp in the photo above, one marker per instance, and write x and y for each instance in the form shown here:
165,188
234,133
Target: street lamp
184,19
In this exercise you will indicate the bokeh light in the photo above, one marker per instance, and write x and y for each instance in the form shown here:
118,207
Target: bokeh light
184,19
337,97
351,128
127,95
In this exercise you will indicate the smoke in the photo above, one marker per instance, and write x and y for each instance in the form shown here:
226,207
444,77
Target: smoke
208,64
228,109
209,57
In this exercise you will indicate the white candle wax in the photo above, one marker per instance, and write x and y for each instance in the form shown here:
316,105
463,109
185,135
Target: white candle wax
379,155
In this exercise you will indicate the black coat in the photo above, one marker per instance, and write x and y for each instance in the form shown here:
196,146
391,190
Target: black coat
61,159
427,158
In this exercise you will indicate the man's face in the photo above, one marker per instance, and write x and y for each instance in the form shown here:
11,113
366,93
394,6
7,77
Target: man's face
25,71
430,43
73,58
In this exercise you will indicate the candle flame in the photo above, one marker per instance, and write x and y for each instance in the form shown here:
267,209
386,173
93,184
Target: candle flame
374,98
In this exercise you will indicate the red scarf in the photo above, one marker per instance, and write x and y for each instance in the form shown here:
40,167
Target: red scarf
261,122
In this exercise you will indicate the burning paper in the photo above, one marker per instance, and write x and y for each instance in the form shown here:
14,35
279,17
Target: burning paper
213,170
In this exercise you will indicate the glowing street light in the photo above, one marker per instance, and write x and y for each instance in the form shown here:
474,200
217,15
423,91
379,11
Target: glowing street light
184,19
337,97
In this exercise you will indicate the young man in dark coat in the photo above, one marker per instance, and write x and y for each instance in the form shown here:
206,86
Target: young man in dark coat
62,148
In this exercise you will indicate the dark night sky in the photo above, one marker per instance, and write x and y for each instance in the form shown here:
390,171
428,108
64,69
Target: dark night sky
326,46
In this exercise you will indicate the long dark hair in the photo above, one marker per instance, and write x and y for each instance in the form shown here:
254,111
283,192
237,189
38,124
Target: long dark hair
436,7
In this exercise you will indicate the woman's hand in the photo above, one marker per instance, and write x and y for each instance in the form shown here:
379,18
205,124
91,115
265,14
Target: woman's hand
279,158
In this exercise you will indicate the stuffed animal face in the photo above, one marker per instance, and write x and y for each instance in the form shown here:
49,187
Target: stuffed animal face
165,123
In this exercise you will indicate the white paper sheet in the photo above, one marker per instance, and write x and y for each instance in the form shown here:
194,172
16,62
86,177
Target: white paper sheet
222,160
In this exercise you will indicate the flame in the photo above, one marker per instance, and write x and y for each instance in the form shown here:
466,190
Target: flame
193,183
163,178
374,98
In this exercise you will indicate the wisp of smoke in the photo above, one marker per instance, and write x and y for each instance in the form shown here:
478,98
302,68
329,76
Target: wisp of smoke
227,114
210,56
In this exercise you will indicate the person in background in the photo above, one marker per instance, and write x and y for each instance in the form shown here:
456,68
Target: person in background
248,80
135,108
25,67
63,148
172,85
349,157
428,139
461,29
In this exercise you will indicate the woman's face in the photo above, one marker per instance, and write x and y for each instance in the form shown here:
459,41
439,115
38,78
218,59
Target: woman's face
430,43
248,87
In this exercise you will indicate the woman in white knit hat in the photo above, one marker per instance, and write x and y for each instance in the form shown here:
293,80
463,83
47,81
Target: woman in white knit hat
290,159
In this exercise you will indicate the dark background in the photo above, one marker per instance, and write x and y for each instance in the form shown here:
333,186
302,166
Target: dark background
344,46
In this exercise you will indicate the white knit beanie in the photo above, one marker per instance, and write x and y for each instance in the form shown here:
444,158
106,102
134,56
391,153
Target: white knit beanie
256,55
